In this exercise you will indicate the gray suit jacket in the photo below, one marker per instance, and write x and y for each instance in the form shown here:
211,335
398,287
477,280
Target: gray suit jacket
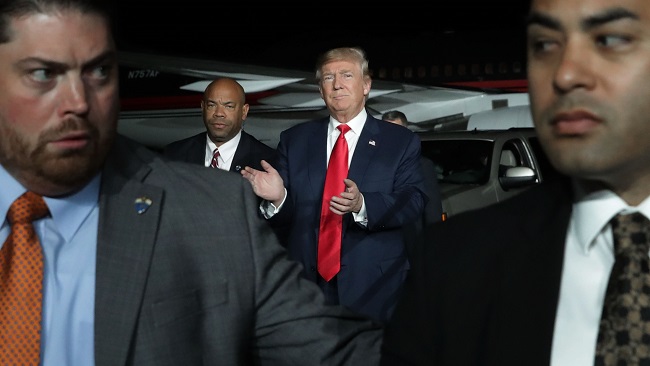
180,284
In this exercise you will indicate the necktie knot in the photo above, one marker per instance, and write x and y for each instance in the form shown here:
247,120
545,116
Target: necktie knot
630,233
27,208
21,284
344,128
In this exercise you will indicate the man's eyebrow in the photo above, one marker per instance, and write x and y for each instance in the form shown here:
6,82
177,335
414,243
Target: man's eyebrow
43,63
593,21
607,16
106,56
537,18
110,55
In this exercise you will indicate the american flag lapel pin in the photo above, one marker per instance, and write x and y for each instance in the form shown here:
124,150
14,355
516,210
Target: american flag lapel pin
371,142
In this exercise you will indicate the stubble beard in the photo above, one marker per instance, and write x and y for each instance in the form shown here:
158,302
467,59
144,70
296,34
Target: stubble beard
56,173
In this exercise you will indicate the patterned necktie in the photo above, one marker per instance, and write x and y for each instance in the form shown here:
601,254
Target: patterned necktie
331,224
624,336
215,156
21,281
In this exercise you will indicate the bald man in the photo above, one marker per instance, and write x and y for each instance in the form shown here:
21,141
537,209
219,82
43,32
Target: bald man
224,110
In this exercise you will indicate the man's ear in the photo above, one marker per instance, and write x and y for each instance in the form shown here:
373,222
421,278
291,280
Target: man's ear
366,86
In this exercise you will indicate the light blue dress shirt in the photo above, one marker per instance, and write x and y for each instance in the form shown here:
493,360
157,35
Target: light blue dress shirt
69,241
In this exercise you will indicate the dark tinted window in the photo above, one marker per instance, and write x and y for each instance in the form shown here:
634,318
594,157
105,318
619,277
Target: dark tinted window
460,161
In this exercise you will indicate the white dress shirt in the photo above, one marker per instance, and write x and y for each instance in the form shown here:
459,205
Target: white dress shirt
226,151
588,260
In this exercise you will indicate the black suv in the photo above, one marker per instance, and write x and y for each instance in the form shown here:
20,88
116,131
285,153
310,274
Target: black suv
481,167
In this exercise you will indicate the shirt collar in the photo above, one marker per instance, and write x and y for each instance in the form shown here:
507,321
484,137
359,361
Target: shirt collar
593,211
68,213
227,149
356,124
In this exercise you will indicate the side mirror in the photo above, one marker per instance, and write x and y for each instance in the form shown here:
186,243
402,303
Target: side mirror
517,177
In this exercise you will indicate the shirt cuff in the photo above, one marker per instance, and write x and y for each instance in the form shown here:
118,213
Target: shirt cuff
268,209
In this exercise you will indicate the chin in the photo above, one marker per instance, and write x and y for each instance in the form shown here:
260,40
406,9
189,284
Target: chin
71,170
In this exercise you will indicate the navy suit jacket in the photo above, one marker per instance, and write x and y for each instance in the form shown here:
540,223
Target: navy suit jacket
386,168
485,289
250,151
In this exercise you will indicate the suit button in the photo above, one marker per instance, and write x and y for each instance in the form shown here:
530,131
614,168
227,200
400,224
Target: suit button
312,268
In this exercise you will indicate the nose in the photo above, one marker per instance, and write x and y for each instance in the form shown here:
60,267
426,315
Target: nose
336,83
75,99
218,111
573,69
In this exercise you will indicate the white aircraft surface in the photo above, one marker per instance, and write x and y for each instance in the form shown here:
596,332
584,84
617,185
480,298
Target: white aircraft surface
161,99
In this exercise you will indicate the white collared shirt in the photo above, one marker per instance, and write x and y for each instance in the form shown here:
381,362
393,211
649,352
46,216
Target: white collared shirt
352,137
226,151
588,261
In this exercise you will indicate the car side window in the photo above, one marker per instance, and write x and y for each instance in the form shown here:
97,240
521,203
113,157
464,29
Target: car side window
544,166
513,154
460,161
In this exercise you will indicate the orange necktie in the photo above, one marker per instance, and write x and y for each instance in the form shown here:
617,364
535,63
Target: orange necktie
331,224
21,284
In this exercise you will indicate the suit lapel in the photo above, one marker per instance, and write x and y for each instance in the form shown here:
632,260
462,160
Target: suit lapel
317,162
124,249
365,150
363,153
241,153
196,154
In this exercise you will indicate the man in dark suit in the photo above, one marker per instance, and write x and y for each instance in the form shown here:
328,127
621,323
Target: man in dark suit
135,270
433,209
383,190
224,110
533,280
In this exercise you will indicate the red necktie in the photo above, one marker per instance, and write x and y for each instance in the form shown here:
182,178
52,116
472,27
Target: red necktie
21,284
331,224
215,163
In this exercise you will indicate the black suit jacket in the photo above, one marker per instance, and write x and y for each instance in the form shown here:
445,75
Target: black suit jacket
487,287
250,151
432,210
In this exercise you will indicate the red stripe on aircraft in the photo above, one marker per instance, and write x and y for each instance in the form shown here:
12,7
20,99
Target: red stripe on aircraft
518,85
179,101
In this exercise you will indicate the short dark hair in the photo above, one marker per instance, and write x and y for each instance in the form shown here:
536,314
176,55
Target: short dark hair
15,8
395,115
